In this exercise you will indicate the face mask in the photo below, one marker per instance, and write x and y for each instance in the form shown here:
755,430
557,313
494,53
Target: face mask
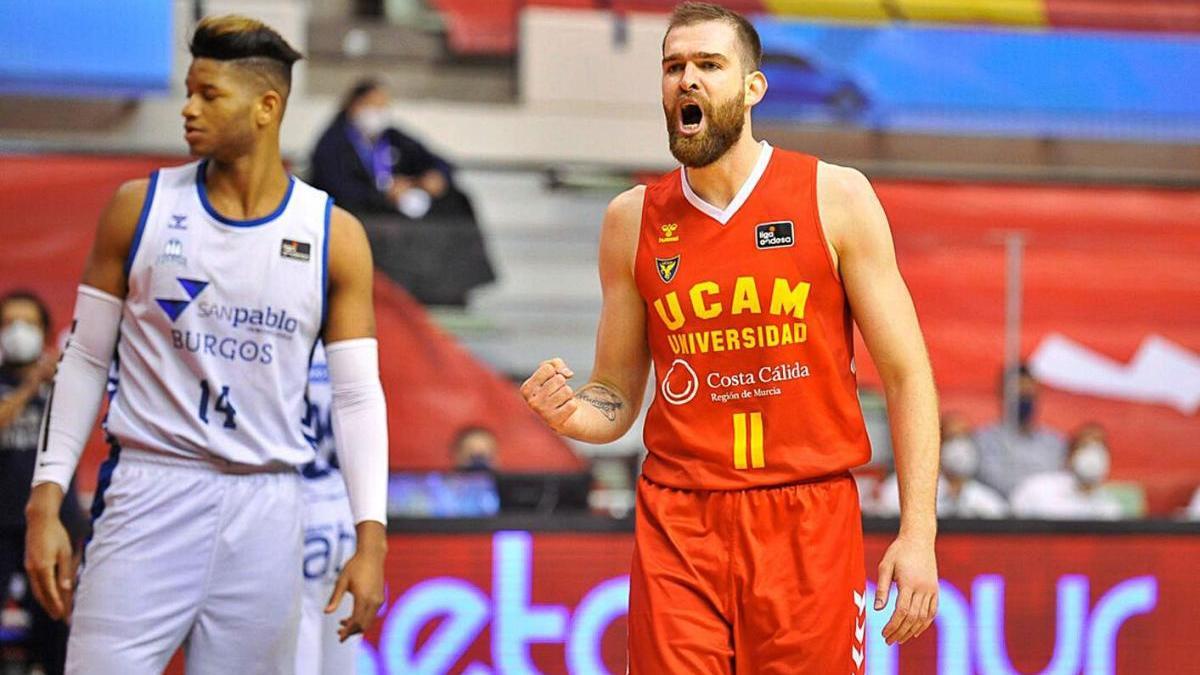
1025,410
372,121
478,463
21,343
1090,463
960,459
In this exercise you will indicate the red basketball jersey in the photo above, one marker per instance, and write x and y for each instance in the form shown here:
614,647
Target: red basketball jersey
750,333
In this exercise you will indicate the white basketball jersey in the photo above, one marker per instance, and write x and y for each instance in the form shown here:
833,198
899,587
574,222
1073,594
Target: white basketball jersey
318,420
219,325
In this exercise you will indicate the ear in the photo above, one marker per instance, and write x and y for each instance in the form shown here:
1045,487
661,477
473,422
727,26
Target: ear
756,87
270,107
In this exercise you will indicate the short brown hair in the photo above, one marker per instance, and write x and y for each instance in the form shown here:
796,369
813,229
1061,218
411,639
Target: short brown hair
251,43
691,13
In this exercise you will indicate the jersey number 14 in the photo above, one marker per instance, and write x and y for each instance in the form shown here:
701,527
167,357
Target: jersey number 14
223,405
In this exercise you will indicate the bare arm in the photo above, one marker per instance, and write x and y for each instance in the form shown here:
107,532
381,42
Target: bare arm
48,547
362,434
351,308
105,271
883,309
604,408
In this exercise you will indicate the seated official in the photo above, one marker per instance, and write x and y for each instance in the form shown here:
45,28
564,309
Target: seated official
422,228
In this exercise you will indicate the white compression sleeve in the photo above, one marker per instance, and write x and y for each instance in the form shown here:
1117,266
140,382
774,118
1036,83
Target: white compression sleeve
79,386
360,425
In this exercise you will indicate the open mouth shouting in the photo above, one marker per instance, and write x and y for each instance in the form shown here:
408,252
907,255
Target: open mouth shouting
691,118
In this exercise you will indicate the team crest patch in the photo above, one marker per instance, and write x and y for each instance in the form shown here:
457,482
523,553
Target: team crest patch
296,250
774,235
667,267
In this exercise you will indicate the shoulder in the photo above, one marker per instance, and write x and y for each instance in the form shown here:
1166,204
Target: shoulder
627,206
842,184
124,210
343,225
619,232
843,192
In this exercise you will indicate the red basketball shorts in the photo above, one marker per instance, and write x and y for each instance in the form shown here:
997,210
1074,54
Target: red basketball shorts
765,581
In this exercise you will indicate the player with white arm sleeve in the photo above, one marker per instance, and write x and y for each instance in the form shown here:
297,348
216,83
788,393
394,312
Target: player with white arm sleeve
208,287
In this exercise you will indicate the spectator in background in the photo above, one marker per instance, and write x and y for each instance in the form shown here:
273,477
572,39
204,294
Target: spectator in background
368,165
1007,457
390,180
959,494
475,449
26,370
1074,493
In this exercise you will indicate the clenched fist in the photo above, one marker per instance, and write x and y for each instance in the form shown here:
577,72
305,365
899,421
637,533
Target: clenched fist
546,392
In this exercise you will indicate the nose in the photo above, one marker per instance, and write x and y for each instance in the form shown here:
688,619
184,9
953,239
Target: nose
189,108
690,79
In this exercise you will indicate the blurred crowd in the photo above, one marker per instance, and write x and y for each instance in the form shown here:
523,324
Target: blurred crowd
1019,470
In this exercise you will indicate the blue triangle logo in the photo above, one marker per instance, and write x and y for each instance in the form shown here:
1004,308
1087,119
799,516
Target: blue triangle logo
173,308
192,286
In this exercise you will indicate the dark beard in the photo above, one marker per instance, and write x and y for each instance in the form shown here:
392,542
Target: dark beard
724,127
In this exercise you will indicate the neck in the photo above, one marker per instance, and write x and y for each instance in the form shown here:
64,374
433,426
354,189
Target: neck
249,185
719,182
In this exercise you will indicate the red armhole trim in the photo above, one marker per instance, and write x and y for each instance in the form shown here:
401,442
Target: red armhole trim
816,219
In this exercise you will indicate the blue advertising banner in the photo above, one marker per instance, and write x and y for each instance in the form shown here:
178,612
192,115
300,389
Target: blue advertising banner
85,48
983,80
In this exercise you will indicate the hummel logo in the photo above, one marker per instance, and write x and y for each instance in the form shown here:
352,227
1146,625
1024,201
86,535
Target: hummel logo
174,308
178,222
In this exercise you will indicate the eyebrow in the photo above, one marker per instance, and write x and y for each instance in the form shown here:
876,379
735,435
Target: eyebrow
697,56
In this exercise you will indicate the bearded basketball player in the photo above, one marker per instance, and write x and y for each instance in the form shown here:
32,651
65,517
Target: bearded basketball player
740,276
207,287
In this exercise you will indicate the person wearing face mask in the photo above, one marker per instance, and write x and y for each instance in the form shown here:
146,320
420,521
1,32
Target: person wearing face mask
26,370
1076,492
475,449
959,495
1009,456
368,165
422,226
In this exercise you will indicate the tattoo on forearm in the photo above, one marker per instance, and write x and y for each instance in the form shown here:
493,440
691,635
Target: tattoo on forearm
603,399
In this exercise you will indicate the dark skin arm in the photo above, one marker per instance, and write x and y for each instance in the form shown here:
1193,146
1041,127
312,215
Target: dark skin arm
48,560
352,315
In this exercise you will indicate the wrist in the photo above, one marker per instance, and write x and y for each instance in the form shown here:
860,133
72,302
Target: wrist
922,530
45,501
371,538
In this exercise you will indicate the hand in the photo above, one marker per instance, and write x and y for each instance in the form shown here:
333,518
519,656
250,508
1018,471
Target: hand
911,563
546,392
434,182
399,186
363,578
49,564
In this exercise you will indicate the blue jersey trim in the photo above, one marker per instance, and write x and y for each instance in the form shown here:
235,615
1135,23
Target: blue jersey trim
203,191
141,225
105,479
325,264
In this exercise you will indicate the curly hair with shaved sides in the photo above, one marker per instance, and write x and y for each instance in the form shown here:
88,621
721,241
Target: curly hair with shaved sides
251,44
